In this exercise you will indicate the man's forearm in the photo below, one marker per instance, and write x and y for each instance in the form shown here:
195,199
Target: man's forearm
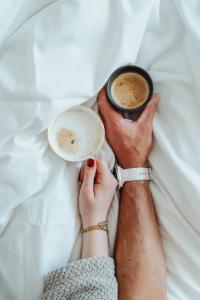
139,257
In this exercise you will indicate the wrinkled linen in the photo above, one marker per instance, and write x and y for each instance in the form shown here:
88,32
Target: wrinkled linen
55,55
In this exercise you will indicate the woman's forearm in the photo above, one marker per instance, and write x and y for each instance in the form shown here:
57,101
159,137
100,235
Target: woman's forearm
95,243
96,194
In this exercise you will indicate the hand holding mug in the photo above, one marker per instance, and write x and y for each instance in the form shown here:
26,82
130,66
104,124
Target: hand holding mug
131,141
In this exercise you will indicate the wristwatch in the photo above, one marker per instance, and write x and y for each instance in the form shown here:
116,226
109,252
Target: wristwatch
132,174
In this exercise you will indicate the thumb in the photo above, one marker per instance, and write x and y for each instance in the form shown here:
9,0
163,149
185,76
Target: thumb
89,176
149,111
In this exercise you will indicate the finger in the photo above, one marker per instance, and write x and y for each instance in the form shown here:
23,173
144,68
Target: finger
102,170
147,115
106,109
81,173
89,176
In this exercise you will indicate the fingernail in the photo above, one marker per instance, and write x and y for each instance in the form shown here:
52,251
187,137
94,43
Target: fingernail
90,163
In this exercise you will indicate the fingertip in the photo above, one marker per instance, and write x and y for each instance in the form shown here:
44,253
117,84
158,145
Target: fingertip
156,98
103,90
149,111
91,163
154,102
89,172
101,94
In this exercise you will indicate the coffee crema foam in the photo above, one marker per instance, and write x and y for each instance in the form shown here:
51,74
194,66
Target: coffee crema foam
68,141
130,90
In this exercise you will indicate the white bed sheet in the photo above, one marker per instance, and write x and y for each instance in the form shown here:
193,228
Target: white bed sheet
57,54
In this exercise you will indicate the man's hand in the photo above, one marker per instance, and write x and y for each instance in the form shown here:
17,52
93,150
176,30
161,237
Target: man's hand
131,141
140,265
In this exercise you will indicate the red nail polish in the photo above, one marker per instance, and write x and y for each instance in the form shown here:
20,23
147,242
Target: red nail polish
90,163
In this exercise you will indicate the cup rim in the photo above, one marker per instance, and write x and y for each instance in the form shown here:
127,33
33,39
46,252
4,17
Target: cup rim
65,156
127,69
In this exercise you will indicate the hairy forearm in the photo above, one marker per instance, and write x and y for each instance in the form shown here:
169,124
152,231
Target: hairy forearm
138,253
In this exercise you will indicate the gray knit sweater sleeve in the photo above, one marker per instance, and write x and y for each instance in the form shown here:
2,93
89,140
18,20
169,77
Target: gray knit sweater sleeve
86,279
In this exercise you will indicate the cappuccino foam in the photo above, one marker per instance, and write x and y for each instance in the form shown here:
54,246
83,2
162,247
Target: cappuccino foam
68,141
130,90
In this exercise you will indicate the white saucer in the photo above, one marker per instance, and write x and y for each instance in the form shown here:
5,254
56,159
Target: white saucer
76,134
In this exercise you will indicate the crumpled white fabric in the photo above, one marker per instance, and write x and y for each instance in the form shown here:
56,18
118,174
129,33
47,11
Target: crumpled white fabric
57,54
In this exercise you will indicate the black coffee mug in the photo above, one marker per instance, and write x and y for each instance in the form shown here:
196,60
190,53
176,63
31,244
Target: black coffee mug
130,113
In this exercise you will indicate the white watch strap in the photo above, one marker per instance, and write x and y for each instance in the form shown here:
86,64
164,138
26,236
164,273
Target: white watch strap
136,174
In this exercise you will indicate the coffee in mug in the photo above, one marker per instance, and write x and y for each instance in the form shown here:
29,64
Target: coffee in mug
129,88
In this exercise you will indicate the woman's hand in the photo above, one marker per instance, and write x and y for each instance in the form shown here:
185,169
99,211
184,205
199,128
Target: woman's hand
97,191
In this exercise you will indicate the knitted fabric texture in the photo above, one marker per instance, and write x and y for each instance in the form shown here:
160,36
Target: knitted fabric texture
86,279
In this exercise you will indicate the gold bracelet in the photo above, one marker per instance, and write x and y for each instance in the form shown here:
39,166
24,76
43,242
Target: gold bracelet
99,226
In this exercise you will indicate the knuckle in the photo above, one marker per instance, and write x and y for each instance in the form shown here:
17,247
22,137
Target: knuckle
83,190
86,194
141,128
85,187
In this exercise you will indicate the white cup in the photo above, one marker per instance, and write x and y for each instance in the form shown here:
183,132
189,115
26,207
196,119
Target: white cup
76,134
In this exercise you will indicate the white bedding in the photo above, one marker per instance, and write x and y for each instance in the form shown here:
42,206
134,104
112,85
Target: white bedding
57,54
